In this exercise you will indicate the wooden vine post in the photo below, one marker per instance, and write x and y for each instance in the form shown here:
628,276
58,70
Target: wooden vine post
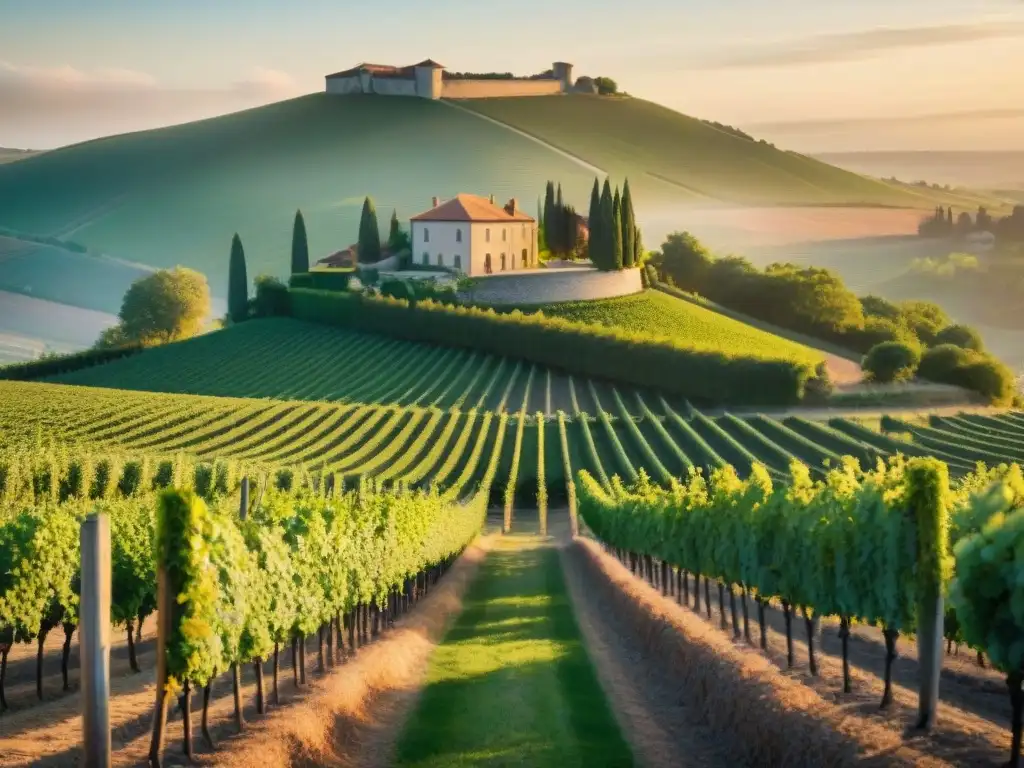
928,481
164,609
94,639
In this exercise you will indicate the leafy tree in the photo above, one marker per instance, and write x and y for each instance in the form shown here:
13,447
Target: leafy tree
925,319
165,306
876,306
685,259
616,230
369,233
300,246
238,283
605,85
629,255
892,361
962,336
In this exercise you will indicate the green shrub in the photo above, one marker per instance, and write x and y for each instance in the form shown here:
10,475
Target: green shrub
59,364
962,336
271,297
991,379
321,281
976,371
579,348
940,363
892,361
877,330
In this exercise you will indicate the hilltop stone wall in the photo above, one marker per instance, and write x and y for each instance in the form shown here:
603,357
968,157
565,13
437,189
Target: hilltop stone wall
484,89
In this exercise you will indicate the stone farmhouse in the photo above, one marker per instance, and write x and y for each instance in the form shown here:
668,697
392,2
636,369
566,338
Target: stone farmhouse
430,80
471,234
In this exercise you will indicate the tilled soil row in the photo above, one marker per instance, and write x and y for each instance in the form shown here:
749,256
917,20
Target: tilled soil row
750,711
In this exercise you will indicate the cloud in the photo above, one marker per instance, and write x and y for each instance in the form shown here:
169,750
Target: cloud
49,106
855,46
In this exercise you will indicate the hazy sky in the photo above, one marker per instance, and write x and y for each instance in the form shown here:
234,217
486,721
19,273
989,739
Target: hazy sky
810,75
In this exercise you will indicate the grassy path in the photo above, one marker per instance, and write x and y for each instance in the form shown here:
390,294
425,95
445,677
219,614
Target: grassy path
512,684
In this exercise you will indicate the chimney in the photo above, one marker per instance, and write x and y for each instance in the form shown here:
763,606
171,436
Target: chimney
511,207
492,199
433,202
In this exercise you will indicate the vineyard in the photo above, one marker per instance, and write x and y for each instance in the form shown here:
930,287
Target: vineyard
605,431
372,465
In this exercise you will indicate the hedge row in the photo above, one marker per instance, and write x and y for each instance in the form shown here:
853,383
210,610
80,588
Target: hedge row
321,281
578,348
56,365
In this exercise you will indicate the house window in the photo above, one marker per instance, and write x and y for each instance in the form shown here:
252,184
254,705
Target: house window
504,234
525,259
440,260
503,262
487,234
426,257
458,235
487,264
458,261
426,235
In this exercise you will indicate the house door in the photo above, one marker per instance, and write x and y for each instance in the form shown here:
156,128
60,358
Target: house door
525,259
487,264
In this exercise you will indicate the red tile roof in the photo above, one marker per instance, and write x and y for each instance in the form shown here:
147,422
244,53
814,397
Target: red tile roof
470,208
386,70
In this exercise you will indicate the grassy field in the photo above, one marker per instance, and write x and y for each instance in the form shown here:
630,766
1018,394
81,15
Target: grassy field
656,312
512,684
668,150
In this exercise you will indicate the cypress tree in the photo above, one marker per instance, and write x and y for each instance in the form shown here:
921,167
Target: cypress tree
395,231
593,223
542,242
628,227
638,246
300,246
550,237
558,225
616,230
238,283
606,245
369,234
569,228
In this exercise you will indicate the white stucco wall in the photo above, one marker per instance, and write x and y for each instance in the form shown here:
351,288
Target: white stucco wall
482,89
429,84
517,237
440,238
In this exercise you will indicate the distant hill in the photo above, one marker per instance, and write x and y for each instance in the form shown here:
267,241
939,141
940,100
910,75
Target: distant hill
176,195
8,155
980,170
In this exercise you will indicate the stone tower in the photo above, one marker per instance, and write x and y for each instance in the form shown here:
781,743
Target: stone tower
563,73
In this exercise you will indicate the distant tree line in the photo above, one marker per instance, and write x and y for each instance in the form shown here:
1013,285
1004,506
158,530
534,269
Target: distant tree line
942,224
816,302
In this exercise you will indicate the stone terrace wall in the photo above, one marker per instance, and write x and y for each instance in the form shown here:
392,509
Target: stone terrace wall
483,89
547,286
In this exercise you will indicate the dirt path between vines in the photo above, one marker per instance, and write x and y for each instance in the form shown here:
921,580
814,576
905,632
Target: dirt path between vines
351,715
662,730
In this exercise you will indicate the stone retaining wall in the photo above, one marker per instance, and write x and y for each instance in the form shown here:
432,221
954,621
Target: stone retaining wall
547,286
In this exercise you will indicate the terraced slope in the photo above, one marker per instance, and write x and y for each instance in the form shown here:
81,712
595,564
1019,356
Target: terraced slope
292,360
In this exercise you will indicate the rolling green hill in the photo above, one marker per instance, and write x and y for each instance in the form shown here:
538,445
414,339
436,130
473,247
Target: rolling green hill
176,195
